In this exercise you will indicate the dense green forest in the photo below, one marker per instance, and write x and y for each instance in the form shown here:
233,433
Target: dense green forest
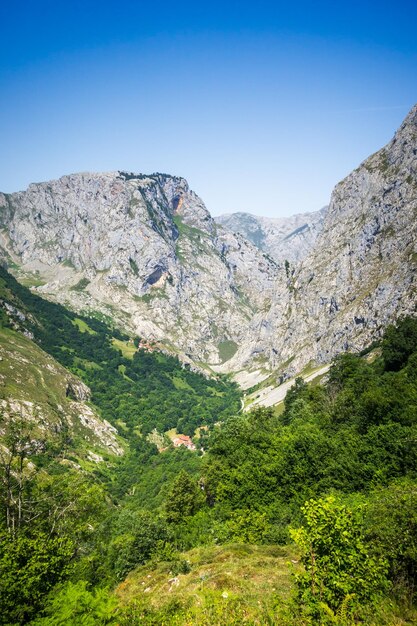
331,481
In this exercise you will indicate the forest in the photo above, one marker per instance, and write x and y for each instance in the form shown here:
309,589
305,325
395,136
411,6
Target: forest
328,483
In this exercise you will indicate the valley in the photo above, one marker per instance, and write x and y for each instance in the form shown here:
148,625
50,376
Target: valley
209,421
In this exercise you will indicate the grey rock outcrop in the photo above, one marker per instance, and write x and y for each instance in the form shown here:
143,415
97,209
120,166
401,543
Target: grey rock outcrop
362,272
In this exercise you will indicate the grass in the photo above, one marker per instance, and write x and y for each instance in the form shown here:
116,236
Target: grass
122,370
229,584
134,266
81,285
128,349
215,392
194,235
158,292
227,349
28,373
31,281
68,263
35,386
179,383
83,327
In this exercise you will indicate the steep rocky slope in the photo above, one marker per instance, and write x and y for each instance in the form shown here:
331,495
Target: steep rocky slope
36,390
39,391
143,250
361,273
285,238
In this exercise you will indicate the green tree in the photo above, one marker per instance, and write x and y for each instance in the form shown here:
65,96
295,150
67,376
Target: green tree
392,528
16,473
298,390
130,541
29,568
184,498
338,562
399,343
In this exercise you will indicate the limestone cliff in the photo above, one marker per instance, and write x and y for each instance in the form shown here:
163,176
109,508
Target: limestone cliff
143,250
362,272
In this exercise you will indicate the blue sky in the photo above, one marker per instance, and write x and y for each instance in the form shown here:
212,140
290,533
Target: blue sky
262,106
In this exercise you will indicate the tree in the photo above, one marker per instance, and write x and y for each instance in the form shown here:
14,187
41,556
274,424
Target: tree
134,536
399,343
184,499
298,390
392,527
338,562
29,568
16,473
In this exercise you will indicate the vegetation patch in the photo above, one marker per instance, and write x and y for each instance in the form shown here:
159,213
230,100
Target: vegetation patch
227,349
82,326
134,266
126,347
229,584
81,285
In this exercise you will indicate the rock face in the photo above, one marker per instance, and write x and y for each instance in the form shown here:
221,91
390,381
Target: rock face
286,238
362,272
145,251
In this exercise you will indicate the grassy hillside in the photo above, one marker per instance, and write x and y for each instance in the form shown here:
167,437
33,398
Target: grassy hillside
37,389
229,584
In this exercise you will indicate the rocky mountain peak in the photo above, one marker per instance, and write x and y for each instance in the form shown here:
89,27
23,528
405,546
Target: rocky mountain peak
284,238
143,250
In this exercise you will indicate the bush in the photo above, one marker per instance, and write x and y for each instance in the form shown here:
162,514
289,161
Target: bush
339,566
399,343
74,604
392,528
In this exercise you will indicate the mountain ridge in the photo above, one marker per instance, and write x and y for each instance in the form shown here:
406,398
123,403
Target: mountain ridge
144,251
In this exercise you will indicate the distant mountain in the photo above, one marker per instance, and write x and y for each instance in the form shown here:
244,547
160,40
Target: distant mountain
286,238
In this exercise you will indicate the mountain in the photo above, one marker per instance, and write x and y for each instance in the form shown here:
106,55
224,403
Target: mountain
361,273
285,238
144,251
137,388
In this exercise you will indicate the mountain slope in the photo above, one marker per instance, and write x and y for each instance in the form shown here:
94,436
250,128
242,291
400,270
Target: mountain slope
137,390
361,273
285,238
39,390
36,389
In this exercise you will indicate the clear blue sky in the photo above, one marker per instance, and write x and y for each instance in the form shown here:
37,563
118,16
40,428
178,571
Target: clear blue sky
263,106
